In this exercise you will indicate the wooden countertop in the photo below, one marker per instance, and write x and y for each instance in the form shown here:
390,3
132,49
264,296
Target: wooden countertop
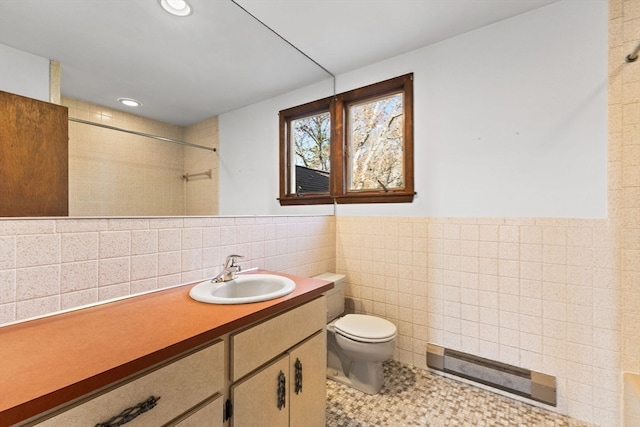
50,361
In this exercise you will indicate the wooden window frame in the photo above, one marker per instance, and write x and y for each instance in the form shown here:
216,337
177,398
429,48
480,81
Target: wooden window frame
336,106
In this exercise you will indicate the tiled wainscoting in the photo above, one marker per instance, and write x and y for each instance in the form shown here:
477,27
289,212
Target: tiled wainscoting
47,265
542,294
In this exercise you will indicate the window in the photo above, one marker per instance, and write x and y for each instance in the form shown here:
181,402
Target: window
311,144
355,147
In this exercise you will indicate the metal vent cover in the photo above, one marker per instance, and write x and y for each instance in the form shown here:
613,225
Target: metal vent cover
519,381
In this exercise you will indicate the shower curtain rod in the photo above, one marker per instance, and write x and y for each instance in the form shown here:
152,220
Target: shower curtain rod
146,135
633,56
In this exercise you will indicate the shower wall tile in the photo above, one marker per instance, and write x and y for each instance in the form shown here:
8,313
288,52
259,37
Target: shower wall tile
101,166
624,136
201,194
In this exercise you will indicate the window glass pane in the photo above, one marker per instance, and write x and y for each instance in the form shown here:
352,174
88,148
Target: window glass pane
310,140
375,144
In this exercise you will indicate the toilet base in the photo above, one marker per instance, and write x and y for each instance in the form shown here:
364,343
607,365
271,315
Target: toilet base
368,377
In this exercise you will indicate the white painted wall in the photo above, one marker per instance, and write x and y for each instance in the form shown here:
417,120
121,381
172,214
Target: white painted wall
24,74
510,120
249,156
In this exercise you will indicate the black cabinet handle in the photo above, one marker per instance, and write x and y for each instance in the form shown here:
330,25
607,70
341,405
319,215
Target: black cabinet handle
282,391
298,376
131,413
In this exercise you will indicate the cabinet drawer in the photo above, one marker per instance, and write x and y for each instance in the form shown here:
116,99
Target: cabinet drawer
180,385
207,415
257,345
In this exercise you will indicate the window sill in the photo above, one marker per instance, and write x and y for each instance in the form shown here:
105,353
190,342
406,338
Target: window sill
377,197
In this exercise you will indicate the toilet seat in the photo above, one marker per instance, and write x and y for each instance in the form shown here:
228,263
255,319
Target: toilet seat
364,328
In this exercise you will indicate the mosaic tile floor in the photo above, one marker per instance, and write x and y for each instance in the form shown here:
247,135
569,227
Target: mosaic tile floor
415,397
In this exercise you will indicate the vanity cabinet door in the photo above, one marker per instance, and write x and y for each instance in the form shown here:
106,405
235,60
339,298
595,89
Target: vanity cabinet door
260,400
308,382
290,391
285,358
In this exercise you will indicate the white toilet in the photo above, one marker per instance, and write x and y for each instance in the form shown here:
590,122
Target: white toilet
357,344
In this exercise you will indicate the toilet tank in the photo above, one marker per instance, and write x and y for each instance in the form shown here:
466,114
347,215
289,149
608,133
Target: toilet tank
335,297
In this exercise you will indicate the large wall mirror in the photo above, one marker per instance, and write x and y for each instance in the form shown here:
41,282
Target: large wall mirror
186,71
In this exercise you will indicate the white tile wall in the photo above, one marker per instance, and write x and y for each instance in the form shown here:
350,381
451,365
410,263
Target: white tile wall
47,265
537,293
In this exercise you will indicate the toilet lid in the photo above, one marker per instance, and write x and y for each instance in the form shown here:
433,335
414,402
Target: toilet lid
362,327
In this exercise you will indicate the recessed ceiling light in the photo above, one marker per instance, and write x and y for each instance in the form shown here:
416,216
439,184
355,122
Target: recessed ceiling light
176,7
130,102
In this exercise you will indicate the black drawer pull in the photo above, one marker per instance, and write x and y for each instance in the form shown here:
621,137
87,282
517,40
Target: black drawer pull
298,376
130,413
282,391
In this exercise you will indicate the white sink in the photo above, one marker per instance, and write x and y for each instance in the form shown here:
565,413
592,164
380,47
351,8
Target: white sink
243,289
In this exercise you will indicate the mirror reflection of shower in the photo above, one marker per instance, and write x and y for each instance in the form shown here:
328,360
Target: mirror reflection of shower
112,172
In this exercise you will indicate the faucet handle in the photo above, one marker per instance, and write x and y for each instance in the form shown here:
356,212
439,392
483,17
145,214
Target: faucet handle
231,261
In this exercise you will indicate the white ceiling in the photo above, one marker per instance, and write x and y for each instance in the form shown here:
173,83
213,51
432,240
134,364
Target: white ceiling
185,70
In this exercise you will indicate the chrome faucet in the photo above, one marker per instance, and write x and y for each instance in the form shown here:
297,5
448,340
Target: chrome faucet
230,270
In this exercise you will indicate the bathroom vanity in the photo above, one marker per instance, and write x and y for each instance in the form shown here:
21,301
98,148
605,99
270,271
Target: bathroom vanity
163,359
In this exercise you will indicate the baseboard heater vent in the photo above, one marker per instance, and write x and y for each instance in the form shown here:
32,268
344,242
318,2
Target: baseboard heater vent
523,382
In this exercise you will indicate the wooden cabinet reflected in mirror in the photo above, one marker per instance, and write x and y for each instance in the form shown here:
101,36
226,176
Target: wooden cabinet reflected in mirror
33,157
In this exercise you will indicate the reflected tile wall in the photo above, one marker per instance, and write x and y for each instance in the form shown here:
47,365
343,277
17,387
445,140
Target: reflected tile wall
201,193
114,173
